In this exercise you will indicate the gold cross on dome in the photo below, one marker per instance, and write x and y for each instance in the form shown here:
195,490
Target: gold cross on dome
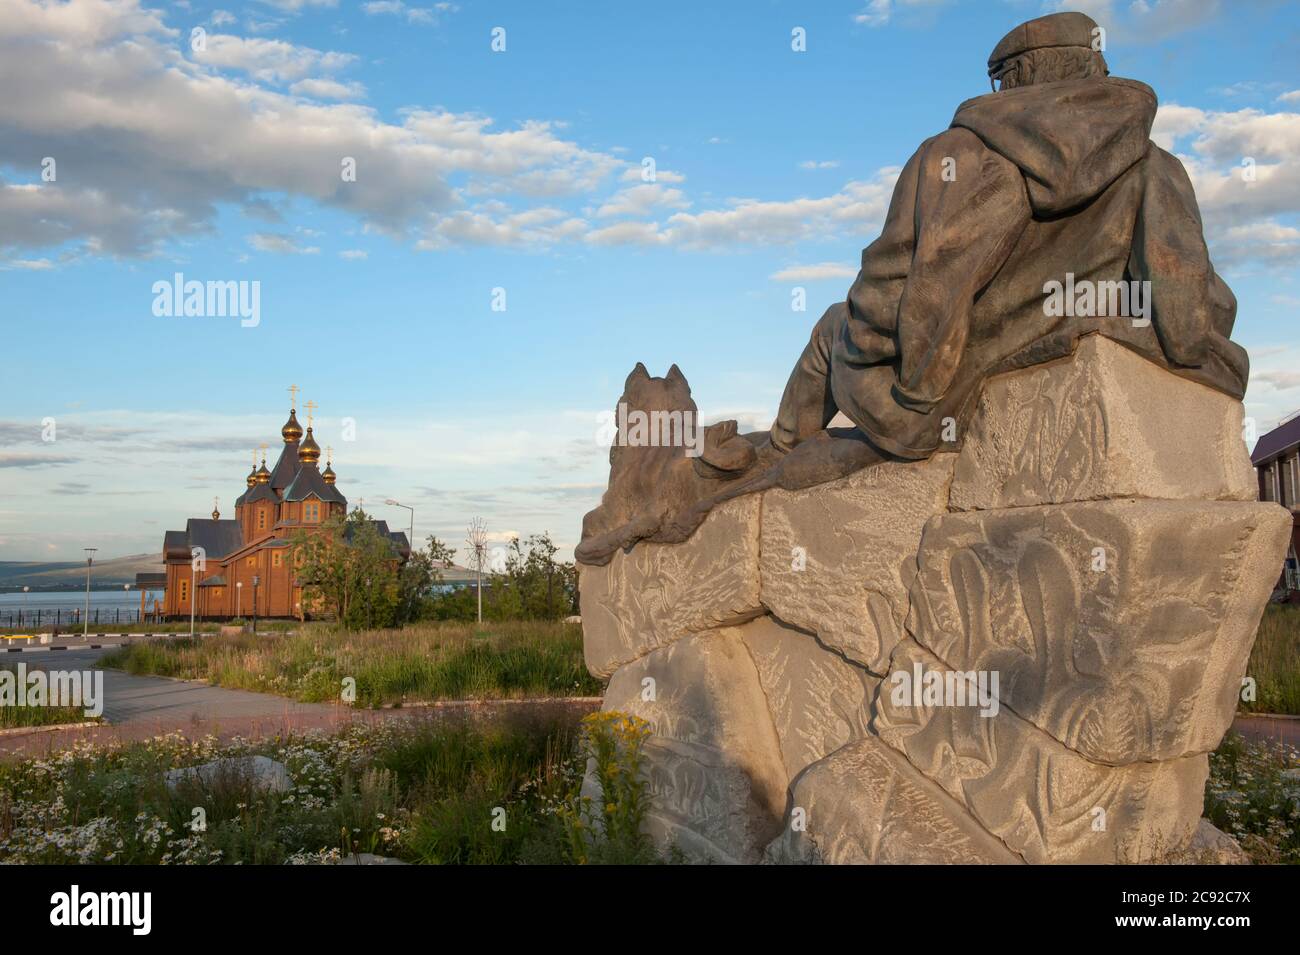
329,455
255,459
311,408
263,447
293,396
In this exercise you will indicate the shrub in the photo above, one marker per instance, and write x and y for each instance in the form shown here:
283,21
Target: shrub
607,826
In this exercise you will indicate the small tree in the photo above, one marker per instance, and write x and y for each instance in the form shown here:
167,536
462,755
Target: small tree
349,568
421,574
542,587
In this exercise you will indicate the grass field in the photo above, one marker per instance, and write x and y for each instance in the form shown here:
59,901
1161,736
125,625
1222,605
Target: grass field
419,791
1275,662
14,717
433,661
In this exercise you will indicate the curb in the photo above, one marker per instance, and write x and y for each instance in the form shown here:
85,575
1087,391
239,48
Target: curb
1266,716
47,649
488,701
107,633
49,728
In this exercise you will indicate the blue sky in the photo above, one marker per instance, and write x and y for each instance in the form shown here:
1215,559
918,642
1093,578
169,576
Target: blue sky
518,170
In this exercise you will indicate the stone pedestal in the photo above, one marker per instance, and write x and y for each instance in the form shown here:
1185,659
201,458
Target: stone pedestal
1020,650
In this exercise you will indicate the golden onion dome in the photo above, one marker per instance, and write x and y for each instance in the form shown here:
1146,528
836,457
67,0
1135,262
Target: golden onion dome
328,474
263,475
292,430
252,477
309,450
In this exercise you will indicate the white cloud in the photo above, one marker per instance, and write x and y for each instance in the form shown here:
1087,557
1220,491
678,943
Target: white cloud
297,6
877,13
494,224
425,16
636,173
814,273
627,233
858,208
354,254
1279,380
270,61
1274,386
822,164
280,244
1259,243
1173,121
1243,165
319,88
642,200
163,140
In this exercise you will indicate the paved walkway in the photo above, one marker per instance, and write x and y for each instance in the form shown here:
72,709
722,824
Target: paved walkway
1280,729
151,699
137,707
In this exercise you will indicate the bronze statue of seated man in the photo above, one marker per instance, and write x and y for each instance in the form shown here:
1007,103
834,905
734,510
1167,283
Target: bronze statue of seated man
1050,183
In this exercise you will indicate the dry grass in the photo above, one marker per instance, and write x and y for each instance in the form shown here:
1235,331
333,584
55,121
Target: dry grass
430,661
1275,662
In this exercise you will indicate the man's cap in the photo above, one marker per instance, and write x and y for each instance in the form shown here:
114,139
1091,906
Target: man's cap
1055,29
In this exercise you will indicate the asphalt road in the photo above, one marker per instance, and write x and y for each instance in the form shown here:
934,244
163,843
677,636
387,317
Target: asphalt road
139,707
133,699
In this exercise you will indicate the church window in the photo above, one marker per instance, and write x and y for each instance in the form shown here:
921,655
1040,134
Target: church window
251,561
261,518
311,512
276,559
185,590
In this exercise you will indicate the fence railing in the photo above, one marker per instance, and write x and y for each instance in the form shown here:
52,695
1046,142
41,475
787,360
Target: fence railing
12,619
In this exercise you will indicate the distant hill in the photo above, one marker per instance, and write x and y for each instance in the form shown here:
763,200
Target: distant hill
60,575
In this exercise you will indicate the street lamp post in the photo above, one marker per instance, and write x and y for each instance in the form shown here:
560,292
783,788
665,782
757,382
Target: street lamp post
411,535
256,581
410,538
26,611
194,594
90,558
239,603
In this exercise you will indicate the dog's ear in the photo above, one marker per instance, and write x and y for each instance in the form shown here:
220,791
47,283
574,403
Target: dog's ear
639,373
